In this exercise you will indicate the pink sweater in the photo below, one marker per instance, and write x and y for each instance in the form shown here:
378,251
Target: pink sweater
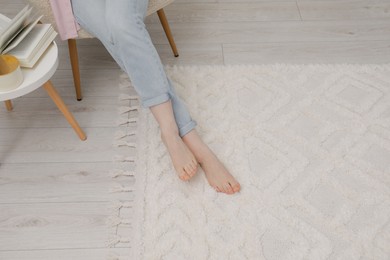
66,24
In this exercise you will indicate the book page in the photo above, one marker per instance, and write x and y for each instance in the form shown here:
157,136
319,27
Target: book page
14,27
21,35
32,40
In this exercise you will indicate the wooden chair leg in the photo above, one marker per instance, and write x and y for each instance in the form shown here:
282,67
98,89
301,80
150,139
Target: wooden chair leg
165,25
74,61
64,109
8,105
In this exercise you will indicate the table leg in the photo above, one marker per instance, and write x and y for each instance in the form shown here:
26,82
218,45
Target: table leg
64,109
8,105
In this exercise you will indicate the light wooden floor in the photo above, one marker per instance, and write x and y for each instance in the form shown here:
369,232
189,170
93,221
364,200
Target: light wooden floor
54,189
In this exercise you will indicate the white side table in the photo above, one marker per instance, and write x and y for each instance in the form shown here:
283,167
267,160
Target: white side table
39,76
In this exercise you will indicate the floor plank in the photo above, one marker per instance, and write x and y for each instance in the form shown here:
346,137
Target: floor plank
55,145
60,182
66,254
230,12
91,57
54,226
42,112
292,31
94,83
195,54
344,10
305,53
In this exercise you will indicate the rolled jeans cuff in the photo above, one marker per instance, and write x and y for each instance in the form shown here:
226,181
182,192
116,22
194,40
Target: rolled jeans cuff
187,128
156,100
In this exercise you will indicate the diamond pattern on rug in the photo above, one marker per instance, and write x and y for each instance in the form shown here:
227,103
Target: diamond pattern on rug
310,146
353,94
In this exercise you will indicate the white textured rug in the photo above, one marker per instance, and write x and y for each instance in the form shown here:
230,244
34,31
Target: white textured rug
310,146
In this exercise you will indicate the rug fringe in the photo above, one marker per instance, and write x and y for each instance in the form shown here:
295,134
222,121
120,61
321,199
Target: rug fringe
121,158
124,120
127,97
124,144
112,257
126,109
116,221
117,205
119,172
121,134
115,239
120,188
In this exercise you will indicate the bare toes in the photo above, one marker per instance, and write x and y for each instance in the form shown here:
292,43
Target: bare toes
184,176
194,169
228,188
224,189
190,170
187,176
192,173
235,186
187,170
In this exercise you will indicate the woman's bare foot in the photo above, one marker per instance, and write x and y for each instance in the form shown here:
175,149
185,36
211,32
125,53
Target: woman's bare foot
216,173
183,160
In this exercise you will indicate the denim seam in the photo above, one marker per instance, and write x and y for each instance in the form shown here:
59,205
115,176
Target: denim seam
156,100
187,128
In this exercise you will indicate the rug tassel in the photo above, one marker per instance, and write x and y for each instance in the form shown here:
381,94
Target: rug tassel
117,239
127,97
118,172
116,221
120,188
121,134
124,82
125,109
113,221
121,204
123,121
125,143
120,158
124,86
112,257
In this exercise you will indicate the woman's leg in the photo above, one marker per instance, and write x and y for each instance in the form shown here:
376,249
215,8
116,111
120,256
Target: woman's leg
119,25
178,151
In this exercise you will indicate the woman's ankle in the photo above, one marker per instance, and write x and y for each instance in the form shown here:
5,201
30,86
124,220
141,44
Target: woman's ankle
197,146
169,131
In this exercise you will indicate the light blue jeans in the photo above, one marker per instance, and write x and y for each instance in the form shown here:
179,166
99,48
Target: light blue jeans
119,25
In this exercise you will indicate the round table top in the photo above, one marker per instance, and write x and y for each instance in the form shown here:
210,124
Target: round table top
36,76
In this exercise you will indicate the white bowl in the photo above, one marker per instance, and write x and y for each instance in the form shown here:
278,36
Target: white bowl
11,75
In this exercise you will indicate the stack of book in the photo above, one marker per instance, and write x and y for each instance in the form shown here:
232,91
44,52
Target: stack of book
24,38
